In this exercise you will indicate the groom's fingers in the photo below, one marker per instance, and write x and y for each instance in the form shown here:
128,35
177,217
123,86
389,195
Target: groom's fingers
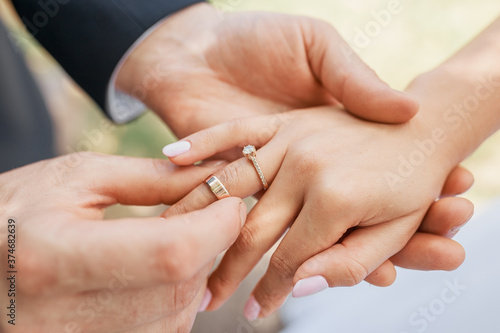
136,252
426,252
429,248
459,181
445,215
350,80
131,181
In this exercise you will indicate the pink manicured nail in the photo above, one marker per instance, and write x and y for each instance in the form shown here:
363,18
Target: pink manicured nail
309,286
205,301
176,148
252,309
455,230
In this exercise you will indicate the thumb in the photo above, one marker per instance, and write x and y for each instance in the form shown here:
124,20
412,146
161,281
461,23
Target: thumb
348,79
128,180
151,250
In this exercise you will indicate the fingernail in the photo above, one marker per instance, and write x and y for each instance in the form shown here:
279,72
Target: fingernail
309,286
454,231
243,213
205,301
252,309
176,148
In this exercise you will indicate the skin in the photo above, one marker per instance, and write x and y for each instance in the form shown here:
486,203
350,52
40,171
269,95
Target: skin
132,274
162,264
309,159
208,69
196,48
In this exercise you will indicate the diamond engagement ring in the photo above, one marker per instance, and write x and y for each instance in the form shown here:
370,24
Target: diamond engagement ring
217,188
250,153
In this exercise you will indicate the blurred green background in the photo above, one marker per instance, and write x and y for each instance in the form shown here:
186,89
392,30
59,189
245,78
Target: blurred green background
421,36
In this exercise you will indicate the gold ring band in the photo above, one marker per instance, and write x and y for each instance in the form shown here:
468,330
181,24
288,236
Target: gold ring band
251,153
217,188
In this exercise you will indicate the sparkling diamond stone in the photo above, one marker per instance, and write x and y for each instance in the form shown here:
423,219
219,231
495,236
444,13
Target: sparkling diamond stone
248,150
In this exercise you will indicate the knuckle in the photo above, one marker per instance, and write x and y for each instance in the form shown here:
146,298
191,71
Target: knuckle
315,28
354,273
160,167
281,266
230,176
304,160
223,283
66,167
221,278
207,138
42,279
179,208
330,194
175,260
237,126
270,298
247,240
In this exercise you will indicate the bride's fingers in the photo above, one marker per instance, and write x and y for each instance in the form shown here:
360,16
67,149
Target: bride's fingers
459,181
343,264
239,178
266,223
255,131
428,249
356,257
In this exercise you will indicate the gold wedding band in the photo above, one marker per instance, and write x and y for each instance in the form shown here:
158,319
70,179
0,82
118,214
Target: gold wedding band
217,188
251,153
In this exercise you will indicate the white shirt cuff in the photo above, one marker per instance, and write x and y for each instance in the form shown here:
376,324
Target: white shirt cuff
122,107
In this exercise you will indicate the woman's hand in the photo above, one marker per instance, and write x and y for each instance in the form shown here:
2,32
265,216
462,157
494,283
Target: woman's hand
329,173
79,273
202,67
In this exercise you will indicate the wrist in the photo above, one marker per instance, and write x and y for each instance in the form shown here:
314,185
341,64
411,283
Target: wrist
456,111
160,57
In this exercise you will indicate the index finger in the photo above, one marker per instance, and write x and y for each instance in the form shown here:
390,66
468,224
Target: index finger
127,180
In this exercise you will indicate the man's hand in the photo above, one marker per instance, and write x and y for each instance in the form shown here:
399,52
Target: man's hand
199,69
79,273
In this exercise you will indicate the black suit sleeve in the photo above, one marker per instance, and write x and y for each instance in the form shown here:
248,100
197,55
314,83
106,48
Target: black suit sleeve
89,37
